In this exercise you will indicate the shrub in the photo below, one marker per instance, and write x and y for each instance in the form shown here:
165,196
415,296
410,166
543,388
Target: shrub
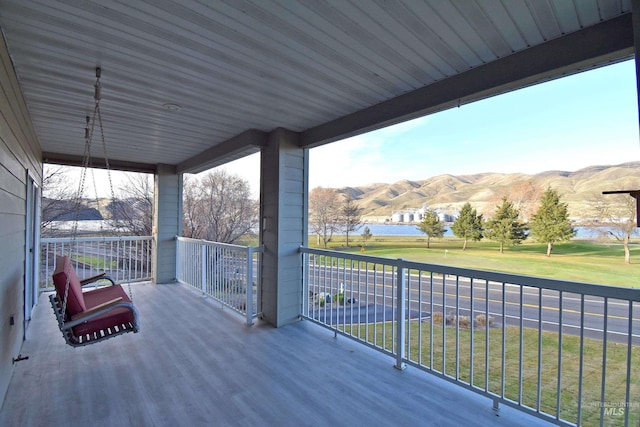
481,320
464,322
437,318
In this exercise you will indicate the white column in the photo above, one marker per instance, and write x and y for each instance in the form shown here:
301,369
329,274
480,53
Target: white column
283,210
167,223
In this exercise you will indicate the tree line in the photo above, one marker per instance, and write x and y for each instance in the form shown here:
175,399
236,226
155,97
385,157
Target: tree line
549,224
217,206
331,213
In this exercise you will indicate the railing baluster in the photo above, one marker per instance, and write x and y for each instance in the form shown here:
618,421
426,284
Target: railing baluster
366,314
431,321
604,360
249,287
540,320
627,393
444,324
471,335
581,361
400,316
486,335
560,333
504,340
457,314
521,343
420,316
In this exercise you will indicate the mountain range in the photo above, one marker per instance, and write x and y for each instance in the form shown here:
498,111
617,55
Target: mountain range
485,190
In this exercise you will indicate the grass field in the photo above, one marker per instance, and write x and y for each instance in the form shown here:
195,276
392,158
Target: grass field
599,262
577,260
487,372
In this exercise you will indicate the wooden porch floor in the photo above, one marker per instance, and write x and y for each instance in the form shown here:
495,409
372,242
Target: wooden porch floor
194,364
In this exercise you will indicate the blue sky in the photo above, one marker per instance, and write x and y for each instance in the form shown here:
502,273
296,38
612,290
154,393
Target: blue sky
582,120
586,119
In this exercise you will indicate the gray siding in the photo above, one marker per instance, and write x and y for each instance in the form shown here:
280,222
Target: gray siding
283,190
167,223
19,153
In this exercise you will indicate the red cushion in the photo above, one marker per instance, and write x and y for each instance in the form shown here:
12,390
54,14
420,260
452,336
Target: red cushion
64,271
114,317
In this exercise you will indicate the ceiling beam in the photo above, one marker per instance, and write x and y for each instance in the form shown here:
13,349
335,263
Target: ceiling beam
608,41
244,144
97,162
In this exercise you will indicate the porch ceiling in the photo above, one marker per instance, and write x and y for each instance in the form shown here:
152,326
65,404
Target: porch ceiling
326,68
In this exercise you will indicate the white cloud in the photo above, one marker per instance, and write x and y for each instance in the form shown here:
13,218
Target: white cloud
354,161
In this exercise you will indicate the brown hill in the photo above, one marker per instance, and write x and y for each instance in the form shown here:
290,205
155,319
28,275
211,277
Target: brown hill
485,190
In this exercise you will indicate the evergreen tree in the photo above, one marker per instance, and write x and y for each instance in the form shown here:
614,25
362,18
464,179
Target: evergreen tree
351,216
504,227
431,226
551,223
468,225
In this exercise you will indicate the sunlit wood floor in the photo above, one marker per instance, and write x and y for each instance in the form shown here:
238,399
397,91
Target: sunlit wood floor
195,364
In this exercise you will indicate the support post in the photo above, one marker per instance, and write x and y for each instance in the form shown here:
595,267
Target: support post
400,316
167,223
283,213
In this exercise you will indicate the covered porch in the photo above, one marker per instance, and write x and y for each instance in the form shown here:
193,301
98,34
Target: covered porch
189,86
194,363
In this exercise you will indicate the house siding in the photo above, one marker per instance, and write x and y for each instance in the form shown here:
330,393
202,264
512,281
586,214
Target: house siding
283,198
20,155
167,223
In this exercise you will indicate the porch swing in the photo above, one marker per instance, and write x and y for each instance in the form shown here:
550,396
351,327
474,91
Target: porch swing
104,312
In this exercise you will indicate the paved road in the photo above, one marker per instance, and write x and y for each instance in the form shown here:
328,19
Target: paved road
507,303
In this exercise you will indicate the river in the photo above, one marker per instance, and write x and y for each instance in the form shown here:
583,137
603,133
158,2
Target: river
412,230
376,229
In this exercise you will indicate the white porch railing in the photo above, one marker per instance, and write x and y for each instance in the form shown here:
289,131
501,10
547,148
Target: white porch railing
226,273
566,352
125,259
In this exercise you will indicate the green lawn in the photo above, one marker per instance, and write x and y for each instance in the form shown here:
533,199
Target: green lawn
577,260
448,362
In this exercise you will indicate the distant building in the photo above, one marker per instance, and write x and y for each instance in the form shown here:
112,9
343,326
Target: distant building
413,215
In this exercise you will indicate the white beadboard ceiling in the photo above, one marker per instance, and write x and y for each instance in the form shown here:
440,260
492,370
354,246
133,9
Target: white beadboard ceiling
325,68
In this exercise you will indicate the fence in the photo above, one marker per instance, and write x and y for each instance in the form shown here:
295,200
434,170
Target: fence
566,352
125,259
227,273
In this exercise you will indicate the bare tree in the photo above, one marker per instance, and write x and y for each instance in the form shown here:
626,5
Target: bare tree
57,197
615,217
60,201
324,213
351,216
192,221
218,207
132,212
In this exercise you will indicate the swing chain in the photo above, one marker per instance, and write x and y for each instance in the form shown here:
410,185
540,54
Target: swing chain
86,164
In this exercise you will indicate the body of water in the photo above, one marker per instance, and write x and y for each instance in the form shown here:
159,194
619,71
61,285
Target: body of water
412,230
83,226
376,229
